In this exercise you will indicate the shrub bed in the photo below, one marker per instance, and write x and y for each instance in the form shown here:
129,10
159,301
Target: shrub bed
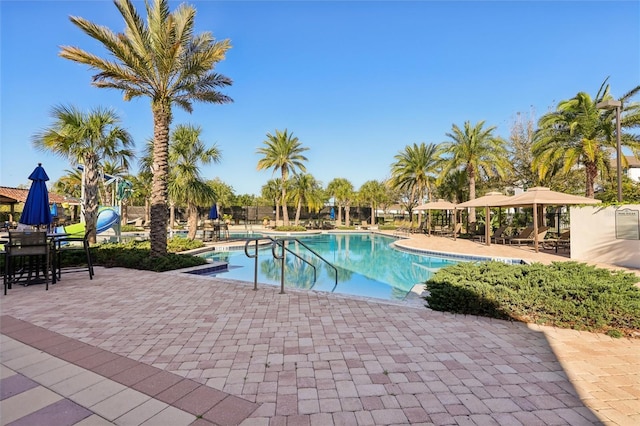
564,294
137,255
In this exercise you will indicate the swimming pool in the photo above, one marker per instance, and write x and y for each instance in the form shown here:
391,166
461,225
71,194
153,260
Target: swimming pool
367,266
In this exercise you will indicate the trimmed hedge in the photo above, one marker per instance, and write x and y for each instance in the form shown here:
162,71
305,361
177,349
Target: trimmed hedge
563,294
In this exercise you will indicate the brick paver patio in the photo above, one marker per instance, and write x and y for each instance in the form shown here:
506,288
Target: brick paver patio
304,357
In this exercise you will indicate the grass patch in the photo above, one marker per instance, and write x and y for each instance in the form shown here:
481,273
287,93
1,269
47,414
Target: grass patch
565,294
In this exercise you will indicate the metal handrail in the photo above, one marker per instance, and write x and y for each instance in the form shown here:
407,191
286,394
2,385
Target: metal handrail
315,253
280,242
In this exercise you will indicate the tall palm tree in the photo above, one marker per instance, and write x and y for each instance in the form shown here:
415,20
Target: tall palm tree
272,191
164,60
186,186
343,192
478,152
86,139
283,152
415,170
306,190
373,193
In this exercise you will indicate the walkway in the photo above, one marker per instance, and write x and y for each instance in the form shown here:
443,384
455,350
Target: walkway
135,347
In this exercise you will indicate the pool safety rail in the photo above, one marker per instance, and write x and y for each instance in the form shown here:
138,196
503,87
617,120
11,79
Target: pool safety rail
282,243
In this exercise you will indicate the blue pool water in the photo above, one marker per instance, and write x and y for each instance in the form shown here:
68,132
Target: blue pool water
367,266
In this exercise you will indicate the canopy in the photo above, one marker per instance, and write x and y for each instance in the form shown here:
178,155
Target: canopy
541,196
491,199
36,208
439,205
544,196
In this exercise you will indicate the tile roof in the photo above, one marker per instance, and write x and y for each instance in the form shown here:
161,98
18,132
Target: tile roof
10,195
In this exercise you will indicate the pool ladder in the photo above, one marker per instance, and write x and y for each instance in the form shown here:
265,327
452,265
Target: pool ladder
282,243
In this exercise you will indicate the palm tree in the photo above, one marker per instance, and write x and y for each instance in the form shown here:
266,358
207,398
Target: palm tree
272,191
342,190
86,139
283,152
476,151
186,152
164,60
69,184
414,170
373,193
580,133
306,191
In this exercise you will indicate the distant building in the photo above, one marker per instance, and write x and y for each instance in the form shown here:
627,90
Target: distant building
633,171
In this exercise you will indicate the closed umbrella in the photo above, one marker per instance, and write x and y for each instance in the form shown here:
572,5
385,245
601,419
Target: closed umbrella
332,214
54,210
213,213
36,208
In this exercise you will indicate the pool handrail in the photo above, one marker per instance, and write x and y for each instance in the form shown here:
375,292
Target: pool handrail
275,242
282,256
316,254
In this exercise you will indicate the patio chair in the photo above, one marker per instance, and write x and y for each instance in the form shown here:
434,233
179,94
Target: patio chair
23,258
72,245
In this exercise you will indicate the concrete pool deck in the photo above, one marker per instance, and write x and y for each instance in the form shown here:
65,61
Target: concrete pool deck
136,347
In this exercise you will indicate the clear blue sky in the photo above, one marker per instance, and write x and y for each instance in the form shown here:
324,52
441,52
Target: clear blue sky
355,81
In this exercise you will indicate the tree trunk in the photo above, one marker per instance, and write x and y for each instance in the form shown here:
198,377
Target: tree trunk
297,221
192,221
472,194
347,208
373,214
91,196
285,213
160,169
592,173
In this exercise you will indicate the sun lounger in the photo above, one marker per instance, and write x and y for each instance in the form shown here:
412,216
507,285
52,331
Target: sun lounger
542,232
563,241
525,233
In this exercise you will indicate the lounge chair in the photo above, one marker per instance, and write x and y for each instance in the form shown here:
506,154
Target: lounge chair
525,233
448,232
563,241
542,232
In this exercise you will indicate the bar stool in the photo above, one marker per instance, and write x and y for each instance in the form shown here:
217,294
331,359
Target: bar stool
65,245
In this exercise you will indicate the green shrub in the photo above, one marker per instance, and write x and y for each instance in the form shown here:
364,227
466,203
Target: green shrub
129,228
291,228
137,255
564,294
178,244
387,227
